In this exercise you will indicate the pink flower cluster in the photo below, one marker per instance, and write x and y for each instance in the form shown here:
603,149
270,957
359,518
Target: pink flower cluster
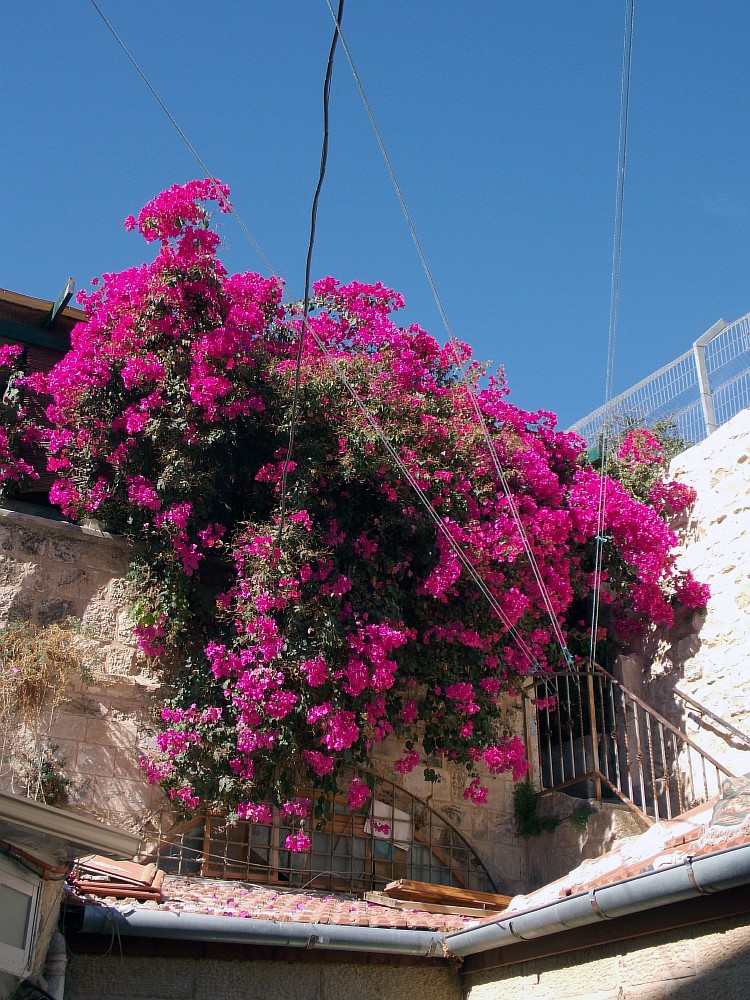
641,447
19,435
167,215
308,639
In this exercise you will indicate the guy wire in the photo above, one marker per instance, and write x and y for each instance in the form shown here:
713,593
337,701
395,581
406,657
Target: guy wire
614,303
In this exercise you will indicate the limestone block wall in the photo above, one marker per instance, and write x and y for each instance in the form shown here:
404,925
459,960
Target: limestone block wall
552,855
695,962
691,963
114,977
710,658
52,572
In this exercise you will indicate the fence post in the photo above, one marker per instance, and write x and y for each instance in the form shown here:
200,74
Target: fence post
594,733
704,386
531,735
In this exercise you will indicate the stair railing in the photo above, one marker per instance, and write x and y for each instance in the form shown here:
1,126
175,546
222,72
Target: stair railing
598,739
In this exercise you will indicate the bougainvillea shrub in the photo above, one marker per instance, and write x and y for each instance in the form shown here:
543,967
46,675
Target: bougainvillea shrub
294,647
20,435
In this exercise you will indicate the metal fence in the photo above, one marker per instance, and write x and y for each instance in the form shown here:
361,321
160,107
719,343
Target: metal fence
699,391
597,739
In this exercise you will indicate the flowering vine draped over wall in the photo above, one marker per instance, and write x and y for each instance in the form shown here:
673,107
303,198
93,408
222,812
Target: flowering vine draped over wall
293,653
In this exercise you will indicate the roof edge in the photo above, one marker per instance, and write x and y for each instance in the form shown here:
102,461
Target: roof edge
42,305
695,876
251,930
77,830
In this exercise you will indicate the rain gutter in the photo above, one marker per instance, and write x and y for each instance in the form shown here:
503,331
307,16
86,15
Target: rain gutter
695,876
691,878
248,930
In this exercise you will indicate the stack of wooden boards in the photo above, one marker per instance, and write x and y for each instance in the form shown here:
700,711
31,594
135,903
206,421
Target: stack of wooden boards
405,894
99,876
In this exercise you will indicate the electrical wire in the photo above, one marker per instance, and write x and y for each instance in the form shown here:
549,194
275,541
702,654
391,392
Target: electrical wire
614,303
360,404
427,504
543,592
206,172
308,267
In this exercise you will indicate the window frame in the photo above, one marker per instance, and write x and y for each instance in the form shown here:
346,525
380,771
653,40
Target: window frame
15,960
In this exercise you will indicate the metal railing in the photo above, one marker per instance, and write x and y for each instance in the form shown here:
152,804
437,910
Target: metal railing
600,740
699,391
399,837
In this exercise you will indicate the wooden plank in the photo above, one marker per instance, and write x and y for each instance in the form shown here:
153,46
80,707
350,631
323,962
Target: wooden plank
97,889
95,865
428,892
409,904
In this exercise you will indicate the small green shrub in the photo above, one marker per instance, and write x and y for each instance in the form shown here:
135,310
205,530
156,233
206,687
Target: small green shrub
580,816
44,777
526,812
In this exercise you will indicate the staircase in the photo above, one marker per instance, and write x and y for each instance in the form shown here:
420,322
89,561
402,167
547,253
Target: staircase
597,739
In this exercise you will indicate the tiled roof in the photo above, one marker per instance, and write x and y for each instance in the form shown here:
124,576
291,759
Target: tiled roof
221,897
720,824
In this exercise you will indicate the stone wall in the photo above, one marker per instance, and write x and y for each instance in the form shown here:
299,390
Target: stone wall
52,572
691,963
552,855
114,977
709,657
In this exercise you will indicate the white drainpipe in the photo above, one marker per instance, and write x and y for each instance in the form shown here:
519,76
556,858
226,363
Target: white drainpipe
57,963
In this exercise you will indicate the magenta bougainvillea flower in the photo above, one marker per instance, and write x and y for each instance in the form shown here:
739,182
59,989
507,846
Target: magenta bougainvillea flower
299,647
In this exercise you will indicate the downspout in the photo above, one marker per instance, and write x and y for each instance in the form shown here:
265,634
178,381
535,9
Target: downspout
692,877
57,963
248,930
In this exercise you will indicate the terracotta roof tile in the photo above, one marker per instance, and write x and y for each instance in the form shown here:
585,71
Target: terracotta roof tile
720,824
218,897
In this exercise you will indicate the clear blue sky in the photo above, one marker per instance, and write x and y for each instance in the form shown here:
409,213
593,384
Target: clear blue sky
501,120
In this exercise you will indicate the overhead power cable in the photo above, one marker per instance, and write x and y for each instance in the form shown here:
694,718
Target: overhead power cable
308,266
433,513
194,152
474,402
614,304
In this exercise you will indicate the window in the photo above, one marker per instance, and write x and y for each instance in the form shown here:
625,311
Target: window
396,836
19,901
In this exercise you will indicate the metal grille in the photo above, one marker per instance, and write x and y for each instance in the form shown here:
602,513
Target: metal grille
696,401
600,740
400,836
